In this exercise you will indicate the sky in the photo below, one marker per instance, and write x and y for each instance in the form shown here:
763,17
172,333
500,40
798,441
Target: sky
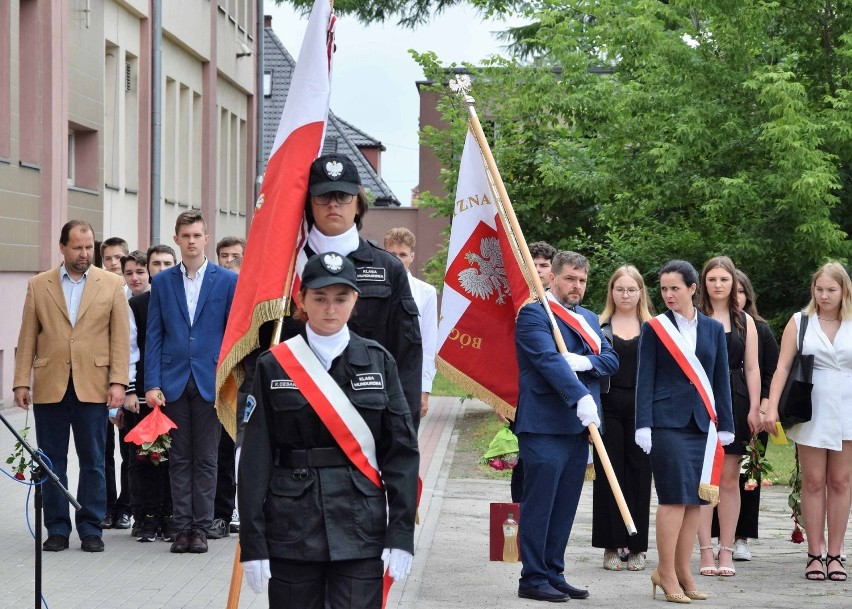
373,79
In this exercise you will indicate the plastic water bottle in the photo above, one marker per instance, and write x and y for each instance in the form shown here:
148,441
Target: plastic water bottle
510,539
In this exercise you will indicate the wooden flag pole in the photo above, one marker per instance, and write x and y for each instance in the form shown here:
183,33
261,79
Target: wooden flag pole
519,244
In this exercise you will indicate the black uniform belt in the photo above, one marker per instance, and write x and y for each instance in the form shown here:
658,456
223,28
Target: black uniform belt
311,457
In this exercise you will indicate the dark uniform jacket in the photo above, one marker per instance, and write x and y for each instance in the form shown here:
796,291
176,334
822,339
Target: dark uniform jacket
326,513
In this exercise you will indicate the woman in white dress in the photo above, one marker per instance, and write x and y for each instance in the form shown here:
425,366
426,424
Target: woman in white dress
825,442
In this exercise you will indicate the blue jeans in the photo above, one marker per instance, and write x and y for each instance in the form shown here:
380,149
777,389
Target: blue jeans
53,423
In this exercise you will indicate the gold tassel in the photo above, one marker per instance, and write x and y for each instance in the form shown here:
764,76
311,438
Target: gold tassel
709,492
417,515
590,473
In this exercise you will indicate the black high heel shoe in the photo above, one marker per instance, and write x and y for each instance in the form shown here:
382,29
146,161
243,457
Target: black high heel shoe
813,574
835,576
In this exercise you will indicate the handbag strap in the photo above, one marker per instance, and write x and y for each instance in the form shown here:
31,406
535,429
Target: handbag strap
803,326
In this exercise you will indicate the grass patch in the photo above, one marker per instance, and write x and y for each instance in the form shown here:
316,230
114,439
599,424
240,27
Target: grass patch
783,460
443,386
476,430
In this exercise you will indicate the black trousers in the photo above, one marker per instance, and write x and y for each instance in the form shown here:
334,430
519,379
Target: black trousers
633,470
749,504
150,490
226,485
347,584
117,503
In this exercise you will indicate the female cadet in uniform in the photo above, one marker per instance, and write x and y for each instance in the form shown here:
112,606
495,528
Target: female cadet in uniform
670,412
312,517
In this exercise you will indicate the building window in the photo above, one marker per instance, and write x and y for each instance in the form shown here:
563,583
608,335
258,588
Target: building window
267,83
71,145
82,157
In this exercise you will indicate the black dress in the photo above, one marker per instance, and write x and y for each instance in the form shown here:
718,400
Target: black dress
632,466
739,388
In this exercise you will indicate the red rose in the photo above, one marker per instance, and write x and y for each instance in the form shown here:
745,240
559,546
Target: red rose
19,475
155,457
797,536
140,456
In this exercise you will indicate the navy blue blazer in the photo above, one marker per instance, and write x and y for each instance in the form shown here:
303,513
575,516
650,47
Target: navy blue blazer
548,389
173,347
665,397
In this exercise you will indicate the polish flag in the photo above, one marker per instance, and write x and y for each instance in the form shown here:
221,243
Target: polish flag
273,259
484,287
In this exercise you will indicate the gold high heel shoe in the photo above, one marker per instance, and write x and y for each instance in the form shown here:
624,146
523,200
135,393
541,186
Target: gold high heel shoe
694,595
672,598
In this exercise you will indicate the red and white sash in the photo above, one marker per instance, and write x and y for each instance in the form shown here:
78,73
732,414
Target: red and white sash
674,342
330,403
577,323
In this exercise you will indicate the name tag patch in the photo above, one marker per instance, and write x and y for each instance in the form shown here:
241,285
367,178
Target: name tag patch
283,384
370,273
250,404
370,380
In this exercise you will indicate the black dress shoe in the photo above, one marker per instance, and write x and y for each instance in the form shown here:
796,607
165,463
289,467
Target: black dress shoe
181,543
571,591
122,522
218,529
55,543
106,523
198,541
92,543
544,592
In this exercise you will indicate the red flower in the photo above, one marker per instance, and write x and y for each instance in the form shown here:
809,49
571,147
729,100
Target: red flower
750,484
155,457
797,536
140,456
19,475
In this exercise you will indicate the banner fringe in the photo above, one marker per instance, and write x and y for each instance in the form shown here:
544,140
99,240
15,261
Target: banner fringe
475,389
709,492
229,375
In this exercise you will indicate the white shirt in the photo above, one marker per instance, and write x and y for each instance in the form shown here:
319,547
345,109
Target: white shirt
688,328
192,287
343,244
426,298
73,291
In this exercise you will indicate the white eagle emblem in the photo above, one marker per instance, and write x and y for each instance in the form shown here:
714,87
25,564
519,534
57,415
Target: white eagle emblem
332,262
491,276
259,203
334,169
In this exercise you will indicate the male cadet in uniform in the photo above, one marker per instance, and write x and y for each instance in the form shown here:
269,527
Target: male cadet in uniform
186,323
559,397
74,340
400,242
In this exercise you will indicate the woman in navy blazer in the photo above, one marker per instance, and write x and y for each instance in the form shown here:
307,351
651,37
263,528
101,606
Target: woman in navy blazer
670,411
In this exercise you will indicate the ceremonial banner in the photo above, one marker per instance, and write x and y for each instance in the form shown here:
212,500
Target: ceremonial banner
270,271
484,287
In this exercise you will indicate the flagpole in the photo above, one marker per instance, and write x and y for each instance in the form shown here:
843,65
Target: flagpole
519,244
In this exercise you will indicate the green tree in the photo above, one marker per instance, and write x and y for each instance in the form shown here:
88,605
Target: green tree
409,13
641,130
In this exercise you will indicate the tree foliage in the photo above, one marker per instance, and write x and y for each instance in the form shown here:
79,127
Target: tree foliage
642,131
409,13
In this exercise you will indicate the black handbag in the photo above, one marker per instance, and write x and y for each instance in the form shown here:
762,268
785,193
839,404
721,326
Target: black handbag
795,405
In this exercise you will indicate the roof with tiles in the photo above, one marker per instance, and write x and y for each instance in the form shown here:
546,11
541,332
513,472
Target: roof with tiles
341,137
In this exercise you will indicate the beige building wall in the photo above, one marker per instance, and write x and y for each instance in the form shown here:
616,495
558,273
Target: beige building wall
75,128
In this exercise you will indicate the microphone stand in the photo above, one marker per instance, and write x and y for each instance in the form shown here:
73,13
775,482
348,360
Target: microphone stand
39,472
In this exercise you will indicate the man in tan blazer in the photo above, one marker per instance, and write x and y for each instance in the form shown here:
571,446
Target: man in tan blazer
74,340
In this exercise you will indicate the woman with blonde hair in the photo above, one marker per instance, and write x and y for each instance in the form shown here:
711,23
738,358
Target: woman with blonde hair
824,442
718,300
626,309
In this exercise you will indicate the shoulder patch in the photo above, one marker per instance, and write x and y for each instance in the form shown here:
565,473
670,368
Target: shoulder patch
282,384
370,273
250,404
368,380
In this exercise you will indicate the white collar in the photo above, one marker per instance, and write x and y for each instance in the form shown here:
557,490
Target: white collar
199,273
343,244
683,321
326,348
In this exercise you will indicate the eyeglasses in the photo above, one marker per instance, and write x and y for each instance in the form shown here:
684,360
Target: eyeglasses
342,198
630,291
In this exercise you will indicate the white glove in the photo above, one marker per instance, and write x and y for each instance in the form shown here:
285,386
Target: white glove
399,563
643,439
726,437
578,363
256,571
587,411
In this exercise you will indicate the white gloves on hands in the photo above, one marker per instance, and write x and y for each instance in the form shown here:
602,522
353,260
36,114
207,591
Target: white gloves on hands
578,363
399,563
587,411
726,437
643,439
256,571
